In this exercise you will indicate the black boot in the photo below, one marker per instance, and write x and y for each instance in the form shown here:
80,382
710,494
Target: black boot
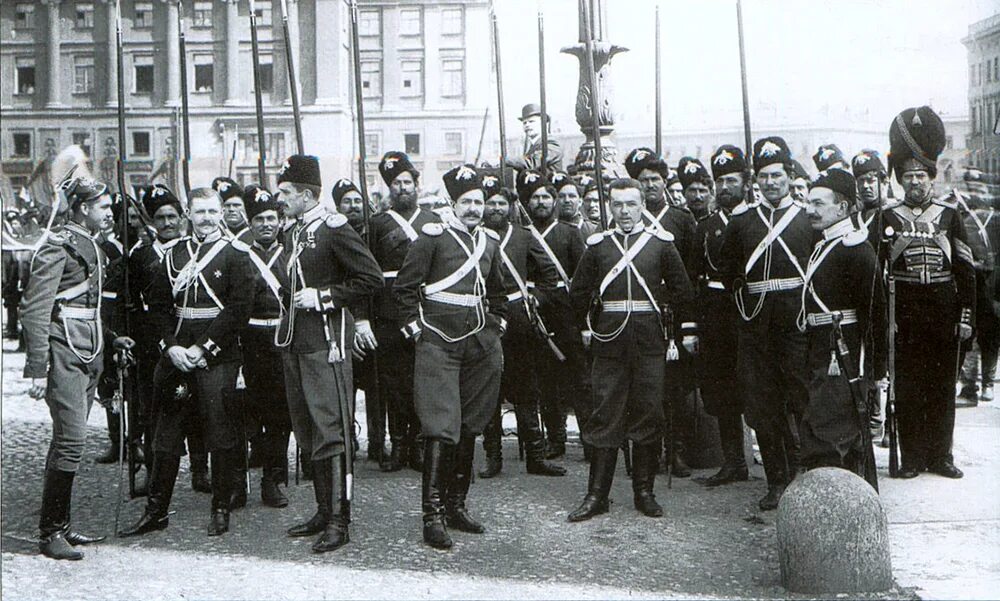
394,460
438,458
415,445
11,333
270,493
645,461
161,489
226,465
678,467
772,453
199,473
322,471
336,534
734,466
114,429
53,525
602,473
534,444
493,447
457,515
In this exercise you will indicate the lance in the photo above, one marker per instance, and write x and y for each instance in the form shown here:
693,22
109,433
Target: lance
232,154
290,65
595,110
659,100
185,124
544,167
748,173
262,153
500,111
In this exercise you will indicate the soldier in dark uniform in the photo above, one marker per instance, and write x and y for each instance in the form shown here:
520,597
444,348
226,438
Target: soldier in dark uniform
563,383
653,173
61,316
262,370
393,232
798,189
202,300
717,319
531,119
569,197
451,295
625,277
326,269
763,254
697,185
829,156
870,178
922,244
522,259
841,295
11,276
591,202
234,214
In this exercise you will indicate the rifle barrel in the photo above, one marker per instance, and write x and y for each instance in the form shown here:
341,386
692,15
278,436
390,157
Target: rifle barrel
743,80
544,167
261,142
595,111
290,62
185,126
659,99
500,110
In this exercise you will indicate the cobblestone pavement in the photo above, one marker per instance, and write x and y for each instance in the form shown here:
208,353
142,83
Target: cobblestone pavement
712,542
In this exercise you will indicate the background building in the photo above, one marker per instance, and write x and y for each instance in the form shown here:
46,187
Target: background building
983,45
425,78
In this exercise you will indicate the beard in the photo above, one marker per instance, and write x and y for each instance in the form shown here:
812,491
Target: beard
403,201
728,200
542,212
495,219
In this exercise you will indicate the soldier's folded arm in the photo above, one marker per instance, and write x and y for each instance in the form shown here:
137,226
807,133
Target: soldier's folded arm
364,276
411,275
37,303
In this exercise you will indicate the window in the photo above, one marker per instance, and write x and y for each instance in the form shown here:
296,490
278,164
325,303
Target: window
371,79
24,16
84,16
452,77
143,15
409,21
83,75
266,74
140,143
275,151
204,73
263,12
372,145
412,78
949,142
202,14
144,75
451,21
22,145
82,139
453,145
369,23
25,76
975,119
411,143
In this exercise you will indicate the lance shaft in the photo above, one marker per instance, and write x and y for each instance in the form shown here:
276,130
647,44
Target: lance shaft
659,99
544,167
261,145
746,100
595,111
290,62
185,125
500,110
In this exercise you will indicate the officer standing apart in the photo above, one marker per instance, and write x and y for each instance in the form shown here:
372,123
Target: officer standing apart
61,317
921,243
451,295
325,268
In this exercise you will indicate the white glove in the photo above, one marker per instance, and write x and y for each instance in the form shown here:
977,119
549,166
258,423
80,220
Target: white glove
690,343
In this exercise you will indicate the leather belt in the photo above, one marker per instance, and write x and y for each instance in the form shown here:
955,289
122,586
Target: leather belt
775,285
924,277
196,313
264,323
459,300
628,307
77,313
847,317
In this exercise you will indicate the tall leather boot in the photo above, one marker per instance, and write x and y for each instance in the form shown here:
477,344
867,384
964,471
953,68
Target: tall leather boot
161,489
602,473
534,445
678,468
238,498
456,514
199,472
493,446
225,468
772,452
53,523
11,333
554,418
335,535
393,461
75,537
322,471
415,445
438,459
734,466
270,493
645,460
114,427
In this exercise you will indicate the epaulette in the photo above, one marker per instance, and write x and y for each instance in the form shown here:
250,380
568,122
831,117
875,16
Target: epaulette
663,234
595,238
240,245
946,202
741,208
54,237
892,204
856,237
432,229
335,220
492,234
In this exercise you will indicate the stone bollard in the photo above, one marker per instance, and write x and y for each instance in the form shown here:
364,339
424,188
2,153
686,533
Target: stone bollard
833,535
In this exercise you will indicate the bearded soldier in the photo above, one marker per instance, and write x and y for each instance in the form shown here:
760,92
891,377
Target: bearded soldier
618,290
764,250
393,232
921,243
522,259
61,317
202,305
717,377
451,293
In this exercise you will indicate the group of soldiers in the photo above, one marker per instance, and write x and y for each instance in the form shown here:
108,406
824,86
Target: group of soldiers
254,313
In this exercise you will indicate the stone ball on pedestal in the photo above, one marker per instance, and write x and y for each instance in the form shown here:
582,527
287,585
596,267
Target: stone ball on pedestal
833,535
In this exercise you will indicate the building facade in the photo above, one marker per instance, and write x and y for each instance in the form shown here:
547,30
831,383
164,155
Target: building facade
983,45
425,79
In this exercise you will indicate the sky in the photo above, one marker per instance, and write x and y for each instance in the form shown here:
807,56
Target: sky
807,62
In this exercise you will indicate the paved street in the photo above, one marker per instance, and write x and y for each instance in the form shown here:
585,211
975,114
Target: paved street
945,535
